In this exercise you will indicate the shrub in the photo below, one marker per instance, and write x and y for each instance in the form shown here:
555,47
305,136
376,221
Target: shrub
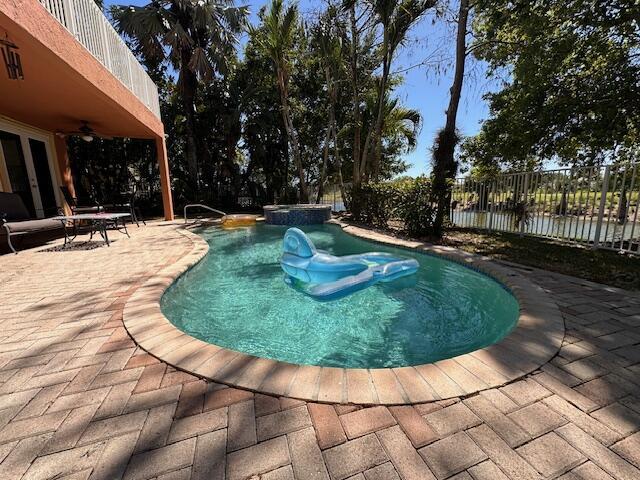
409,201
416,206
372,203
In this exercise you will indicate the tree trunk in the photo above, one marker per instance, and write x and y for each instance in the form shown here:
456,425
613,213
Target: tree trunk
338,162
364,174
325,161
372,142
291,133
233,131
357,124
445,166
331,90
377,133
461,56
188,85
285,180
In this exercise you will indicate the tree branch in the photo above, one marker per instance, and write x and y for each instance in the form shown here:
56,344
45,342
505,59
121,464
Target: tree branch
473,48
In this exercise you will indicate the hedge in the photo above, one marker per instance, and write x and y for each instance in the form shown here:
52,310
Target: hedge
409,201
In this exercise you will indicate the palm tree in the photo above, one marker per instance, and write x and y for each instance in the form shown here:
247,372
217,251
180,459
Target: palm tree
396,18
277,39
400,128
329,45
196,37
354,44
401,124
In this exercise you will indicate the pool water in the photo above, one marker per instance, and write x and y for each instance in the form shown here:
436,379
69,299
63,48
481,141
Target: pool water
236,298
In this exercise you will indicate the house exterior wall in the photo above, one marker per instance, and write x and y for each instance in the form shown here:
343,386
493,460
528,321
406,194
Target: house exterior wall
64,84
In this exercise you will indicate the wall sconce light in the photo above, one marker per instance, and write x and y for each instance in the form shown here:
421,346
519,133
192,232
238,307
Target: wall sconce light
11,60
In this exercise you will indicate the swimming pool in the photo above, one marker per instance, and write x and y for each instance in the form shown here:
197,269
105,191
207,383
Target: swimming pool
236,298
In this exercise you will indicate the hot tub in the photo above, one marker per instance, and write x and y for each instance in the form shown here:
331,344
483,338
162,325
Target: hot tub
297,214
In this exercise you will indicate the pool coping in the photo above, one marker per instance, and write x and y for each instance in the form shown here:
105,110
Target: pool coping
534,340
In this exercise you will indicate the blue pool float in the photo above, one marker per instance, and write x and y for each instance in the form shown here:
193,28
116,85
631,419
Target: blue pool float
326,277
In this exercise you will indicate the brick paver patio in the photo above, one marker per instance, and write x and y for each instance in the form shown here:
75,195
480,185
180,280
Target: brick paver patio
79,400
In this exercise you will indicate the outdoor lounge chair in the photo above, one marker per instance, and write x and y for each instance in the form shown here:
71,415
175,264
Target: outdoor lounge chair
16,220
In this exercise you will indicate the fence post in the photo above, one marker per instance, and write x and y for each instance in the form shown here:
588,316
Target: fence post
490,203
525,201
603,203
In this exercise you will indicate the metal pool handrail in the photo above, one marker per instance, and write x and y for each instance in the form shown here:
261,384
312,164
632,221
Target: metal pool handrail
200,205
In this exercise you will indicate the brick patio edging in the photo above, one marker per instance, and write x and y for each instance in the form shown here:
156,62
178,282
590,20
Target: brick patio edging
536,339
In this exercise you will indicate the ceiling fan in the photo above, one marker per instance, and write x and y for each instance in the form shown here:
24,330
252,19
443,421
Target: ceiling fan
86,133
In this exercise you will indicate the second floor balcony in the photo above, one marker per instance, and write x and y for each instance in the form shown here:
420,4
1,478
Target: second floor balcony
86,22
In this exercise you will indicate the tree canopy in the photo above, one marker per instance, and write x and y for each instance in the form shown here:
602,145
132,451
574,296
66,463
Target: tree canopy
278,120
570,90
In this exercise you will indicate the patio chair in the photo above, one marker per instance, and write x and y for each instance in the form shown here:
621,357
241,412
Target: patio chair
126,203
16,220
73,203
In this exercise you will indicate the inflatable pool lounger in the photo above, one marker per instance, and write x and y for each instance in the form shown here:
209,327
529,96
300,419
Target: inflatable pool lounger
239,220
327,277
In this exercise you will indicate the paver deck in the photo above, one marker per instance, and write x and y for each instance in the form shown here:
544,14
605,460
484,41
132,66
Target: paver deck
79,399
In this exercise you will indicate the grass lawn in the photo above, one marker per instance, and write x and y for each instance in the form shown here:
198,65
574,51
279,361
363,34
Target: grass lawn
600,266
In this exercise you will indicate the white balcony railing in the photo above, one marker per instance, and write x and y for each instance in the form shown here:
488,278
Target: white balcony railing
91,28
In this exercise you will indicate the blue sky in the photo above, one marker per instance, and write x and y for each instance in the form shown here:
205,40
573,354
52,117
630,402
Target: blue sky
424,89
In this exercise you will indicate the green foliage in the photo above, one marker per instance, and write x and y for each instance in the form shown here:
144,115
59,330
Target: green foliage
306,53
223,112
390,21
373,203
277,34
444,171
196,34
571,90
106,171
398,16
416,206
264,139
198,39
409,201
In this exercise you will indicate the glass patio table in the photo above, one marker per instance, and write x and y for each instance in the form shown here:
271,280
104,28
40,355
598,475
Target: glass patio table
99,222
